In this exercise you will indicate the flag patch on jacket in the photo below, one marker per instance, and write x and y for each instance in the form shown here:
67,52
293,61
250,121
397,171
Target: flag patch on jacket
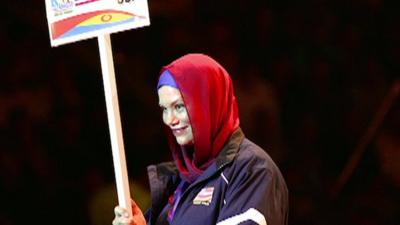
204,197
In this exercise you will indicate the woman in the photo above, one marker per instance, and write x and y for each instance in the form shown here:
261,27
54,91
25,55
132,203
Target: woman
218,176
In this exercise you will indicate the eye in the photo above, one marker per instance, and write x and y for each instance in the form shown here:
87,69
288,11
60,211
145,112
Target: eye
179,107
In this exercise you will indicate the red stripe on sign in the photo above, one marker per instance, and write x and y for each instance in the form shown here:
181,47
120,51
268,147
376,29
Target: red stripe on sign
85,2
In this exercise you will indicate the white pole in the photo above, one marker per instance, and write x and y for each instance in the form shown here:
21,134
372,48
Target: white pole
114,122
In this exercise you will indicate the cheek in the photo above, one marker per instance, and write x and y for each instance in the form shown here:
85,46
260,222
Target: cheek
184,118
191,132
189,136
164,118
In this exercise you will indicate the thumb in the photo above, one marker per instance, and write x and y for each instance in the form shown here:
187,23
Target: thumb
135,207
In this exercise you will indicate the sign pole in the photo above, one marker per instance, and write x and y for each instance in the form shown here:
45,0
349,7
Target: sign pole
72,21
114,122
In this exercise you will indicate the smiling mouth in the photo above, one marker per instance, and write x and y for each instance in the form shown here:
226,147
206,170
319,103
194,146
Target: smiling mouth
179,131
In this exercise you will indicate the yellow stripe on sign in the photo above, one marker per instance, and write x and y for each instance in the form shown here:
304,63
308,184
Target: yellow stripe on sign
105,18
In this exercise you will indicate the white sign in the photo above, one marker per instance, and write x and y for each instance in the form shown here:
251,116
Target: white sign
74,20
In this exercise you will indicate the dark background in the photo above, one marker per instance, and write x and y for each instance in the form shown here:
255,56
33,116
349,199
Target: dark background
315,80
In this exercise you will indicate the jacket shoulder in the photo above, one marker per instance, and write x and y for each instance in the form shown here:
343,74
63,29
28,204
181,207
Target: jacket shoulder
251,158
250,152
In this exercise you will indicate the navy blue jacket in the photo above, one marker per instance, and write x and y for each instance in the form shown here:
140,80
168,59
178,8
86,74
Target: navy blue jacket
243,186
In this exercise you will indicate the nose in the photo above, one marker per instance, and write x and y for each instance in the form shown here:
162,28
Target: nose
171,120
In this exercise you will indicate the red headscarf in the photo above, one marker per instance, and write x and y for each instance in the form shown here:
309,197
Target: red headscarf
207,91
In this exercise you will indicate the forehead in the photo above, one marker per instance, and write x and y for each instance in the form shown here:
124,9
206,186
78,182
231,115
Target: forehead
168,95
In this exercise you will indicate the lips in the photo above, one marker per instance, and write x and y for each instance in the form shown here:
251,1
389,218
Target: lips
179,131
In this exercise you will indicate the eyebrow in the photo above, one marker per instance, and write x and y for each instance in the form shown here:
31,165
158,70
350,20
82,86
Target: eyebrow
172,103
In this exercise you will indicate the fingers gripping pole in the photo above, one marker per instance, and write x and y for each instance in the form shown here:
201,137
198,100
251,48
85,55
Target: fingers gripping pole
114,122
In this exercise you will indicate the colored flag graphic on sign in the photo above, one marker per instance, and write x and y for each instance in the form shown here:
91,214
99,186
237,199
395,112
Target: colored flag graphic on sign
89,22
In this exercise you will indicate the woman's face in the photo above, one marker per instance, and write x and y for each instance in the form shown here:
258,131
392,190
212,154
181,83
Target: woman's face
175,115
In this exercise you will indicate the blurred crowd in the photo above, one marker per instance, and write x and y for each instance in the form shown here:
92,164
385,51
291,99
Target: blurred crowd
310,77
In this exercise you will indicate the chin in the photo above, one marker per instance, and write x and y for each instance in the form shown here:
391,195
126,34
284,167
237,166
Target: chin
184,142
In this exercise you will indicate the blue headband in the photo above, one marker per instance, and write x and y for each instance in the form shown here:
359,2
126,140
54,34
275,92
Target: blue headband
166,79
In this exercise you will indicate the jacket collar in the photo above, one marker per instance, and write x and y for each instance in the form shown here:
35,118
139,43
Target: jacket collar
230,149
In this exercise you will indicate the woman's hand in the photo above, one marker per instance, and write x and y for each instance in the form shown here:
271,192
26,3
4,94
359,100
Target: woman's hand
122,216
